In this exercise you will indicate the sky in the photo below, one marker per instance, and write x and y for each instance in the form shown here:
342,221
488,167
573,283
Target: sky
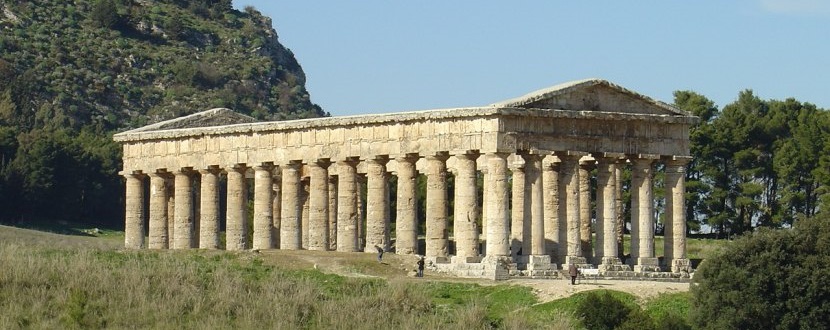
382,56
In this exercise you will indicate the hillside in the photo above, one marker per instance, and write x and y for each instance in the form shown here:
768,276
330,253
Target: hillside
74,72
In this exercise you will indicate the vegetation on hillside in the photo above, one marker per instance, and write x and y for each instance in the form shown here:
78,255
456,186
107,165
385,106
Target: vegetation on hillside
74,72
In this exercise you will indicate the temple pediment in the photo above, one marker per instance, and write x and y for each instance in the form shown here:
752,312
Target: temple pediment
207,118
591,95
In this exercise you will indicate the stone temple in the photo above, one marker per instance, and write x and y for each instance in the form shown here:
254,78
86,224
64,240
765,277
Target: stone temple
327,183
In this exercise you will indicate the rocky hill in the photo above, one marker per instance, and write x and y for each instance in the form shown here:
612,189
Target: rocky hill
73,72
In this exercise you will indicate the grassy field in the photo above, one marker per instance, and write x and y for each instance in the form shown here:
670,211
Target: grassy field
53,280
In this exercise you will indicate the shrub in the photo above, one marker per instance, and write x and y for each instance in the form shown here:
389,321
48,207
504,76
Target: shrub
600,310
771,279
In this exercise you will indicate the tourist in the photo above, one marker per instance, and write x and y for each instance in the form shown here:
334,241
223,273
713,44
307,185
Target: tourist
380,253
574,272
421,267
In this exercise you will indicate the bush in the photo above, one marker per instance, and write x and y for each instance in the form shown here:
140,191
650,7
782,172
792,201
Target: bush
771,279
599,310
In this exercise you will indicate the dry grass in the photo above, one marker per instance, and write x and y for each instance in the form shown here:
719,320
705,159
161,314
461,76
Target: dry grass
51,281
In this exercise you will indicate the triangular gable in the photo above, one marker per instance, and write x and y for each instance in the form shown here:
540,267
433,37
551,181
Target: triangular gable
591,95
207,118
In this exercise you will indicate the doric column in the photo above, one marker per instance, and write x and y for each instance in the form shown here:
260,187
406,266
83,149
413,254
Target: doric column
290,234
465,211
642,214
554,231
236,229
332,212
585,232
498,218
305,191
377,221
517,212
406,230
347,196
171,209
436,212
159,238
134,211
276,205
209,209
533,179
675,227
184,209
569,195
606,225
618,205
318,222
263,207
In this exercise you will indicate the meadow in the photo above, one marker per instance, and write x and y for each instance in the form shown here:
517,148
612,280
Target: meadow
64,281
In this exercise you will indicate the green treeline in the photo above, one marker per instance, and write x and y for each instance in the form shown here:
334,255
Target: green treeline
757,163
74,72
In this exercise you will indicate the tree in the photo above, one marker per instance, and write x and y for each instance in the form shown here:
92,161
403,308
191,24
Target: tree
770,279
105,14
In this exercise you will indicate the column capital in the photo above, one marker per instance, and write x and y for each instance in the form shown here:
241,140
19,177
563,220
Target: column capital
441,155
267,166
137,174
466,154
295,164
183,170
378,159
320,162
409,158
212,169
676,160
239,167
160,173
587,163
349,161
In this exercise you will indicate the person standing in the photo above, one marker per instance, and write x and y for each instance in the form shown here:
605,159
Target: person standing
421,267
573,272
380,253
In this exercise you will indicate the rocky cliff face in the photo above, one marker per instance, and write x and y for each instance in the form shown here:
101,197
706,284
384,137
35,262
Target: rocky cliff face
126,63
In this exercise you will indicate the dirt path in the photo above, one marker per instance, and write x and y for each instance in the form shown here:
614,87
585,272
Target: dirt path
548,290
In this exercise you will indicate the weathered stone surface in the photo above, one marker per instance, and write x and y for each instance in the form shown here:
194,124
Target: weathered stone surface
318,233
436,236
466,206
377,221
497,215
347,211
209,209
263,207
185,218
159,238
236,231
290,231
406,230
134,222
585,167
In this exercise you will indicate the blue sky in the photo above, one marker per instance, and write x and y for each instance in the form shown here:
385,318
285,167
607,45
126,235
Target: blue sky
378,56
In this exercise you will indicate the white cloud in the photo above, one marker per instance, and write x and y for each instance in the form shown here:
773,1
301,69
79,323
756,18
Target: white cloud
797,7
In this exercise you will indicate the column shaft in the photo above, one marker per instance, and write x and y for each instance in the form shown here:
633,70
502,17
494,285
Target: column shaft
606,226
569,193
290,234
184,210
465,226
263,207
347,196
554,235
377,222
585,208
517,213
318,233
406,226
209,209
332,212
642,211
134,211
498,218
276,205
675,228
533,168
236,229
159,238
436,212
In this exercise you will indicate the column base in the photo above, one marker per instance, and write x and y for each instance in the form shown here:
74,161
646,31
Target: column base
612,264
539,262
437,260
683,266
647,265
465,260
